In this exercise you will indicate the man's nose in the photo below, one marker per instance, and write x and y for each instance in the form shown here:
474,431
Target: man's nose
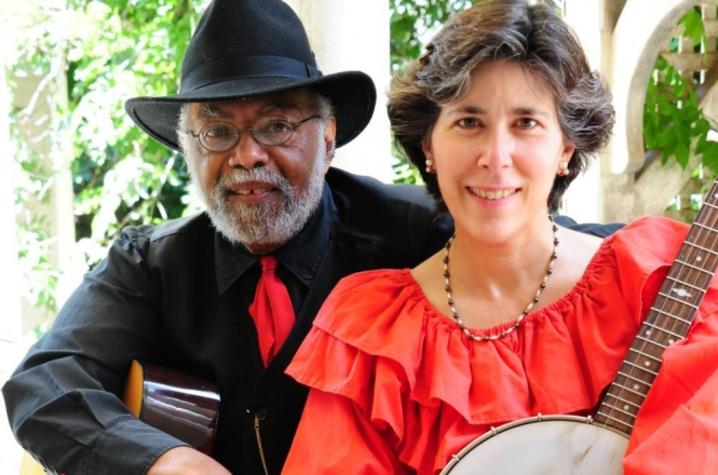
248,153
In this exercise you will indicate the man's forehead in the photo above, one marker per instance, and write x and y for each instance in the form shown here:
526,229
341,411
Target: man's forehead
265,103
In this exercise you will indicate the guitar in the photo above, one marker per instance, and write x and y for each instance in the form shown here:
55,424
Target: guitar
181,405
564,444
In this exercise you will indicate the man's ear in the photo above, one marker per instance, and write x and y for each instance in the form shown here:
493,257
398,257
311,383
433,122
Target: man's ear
330,132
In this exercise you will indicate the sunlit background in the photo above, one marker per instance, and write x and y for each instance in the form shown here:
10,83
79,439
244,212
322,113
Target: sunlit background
76,170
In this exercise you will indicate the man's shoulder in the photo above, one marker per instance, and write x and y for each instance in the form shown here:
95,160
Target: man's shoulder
361,190
188,227
397,215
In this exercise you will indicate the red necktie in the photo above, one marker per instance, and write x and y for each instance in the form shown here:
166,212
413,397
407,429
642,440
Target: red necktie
271,310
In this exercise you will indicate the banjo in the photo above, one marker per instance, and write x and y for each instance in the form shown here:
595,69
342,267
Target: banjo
593,445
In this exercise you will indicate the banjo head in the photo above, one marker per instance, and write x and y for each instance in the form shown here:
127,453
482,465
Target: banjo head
550,445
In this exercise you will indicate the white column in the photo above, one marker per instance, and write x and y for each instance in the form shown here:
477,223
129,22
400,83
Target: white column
11,320
10,323
582,200
354,35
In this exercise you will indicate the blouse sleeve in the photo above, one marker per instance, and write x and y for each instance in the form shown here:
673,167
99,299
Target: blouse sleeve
676,430
334,436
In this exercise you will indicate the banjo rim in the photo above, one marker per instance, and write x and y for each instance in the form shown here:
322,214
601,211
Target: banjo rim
493,431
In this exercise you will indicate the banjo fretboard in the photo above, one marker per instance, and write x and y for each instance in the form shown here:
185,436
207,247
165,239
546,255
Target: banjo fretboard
667,321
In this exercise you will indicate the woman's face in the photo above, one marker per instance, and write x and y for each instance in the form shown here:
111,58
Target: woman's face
496,152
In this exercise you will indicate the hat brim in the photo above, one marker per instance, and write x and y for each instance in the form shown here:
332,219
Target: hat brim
352,94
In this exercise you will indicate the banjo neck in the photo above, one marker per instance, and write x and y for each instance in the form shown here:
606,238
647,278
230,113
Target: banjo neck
667,321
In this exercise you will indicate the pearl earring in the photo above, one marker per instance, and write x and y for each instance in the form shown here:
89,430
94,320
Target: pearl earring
562,168
429,165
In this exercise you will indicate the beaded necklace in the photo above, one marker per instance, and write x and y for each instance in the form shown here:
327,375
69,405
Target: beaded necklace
520,318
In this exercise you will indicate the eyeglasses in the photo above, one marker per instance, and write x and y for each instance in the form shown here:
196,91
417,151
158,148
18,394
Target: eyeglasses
223,136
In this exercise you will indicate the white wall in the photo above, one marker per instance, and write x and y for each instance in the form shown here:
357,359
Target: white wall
582,200
354,35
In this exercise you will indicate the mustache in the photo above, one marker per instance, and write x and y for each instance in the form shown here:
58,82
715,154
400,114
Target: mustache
238,176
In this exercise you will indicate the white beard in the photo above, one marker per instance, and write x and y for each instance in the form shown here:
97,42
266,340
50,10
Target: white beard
267,224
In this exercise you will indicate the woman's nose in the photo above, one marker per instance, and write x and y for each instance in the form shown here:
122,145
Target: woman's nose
495,149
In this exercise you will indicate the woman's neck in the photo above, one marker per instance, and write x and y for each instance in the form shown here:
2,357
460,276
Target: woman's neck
484,263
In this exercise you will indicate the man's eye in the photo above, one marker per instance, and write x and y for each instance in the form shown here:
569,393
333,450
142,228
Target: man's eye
277,127
217,131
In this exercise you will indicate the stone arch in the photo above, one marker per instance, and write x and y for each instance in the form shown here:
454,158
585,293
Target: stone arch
638,38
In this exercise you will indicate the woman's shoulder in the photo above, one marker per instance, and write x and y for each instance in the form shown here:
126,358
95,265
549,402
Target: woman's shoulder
648,242
370,319
379,284
367,303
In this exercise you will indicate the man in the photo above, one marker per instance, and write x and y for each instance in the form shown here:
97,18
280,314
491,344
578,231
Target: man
258,124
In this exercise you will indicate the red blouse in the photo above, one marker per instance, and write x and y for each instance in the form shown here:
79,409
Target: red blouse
398,388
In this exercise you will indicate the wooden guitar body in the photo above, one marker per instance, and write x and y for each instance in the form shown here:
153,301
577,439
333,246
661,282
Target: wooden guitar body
181,405
543,445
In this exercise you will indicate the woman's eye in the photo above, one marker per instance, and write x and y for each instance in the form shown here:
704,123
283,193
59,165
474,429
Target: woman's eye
527,123
468,123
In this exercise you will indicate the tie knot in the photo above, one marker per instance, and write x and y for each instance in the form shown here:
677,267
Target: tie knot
268,263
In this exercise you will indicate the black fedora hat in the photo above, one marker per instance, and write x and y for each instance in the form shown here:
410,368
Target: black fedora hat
244,48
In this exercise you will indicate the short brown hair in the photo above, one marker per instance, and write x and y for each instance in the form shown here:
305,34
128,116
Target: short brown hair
534,36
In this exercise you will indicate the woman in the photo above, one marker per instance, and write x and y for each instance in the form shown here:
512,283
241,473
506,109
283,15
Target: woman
515,316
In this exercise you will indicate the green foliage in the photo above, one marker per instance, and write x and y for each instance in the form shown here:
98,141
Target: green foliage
673,122
693,25
104,52
115,49
39,276
121,176
413,22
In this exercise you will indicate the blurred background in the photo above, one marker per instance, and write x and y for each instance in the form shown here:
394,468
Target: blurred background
75,170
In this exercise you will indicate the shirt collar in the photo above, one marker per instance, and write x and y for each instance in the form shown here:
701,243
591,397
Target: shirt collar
301,255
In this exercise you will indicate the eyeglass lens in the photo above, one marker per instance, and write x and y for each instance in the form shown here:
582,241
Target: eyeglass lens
222,136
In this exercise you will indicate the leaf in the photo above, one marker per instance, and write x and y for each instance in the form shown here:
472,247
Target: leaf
693,26
682,154
710,155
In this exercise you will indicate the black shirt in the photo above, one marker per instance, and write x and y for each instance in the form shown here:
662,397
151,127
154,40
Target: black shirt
177,295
